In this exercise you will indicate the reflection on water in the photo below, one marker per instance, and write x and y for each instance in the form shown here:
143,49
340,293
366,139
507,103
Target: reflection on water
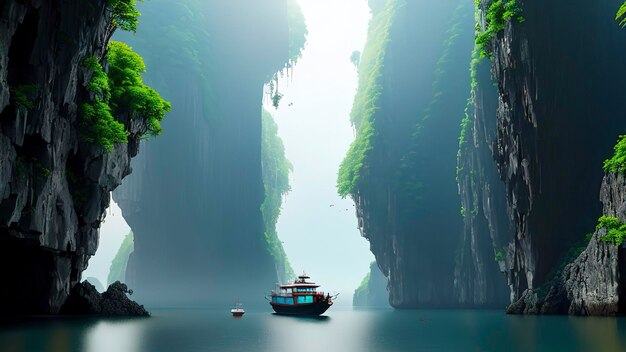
341,330
114,335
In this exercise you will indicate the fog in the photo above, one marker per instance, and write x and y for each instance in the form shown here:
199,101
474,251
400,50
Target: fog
317,227
112,234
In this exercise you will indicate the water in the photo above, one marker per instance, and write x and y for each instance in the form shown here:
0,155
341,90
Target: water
342,330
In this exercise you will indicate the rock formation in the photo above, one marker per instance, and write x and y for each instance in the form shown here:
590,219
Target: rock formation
400,170
549,127
84,299
54,188
373,290
194,199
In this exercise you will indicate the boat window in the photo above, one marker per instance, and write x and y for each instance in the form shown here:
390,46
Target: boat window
289,301
301,299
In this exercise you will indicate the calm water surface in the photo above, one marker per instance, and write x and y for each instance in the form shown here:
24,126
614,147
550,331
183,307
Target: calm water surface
342,330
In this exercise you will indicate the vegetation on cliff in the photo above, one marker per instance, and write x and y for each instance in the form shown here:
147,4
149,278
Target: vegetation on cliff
124,14
97,124
120,92
24,96
275,168
372,292
617,163
498,14
117,270
297,39
621,15
297,31
128,93
615,229
412,187
366,101
361,292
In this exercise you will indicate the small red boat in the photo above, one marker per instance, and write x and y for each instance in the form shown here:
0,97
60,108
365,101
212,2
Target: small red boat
237,310
300,298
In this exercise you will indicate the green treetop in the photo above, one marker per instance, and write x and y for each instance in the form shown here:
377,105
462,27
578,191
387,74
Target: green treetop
124,14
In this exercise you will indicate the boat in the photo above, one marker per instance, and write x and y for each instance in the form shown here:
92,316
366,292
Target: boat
237,311
300,298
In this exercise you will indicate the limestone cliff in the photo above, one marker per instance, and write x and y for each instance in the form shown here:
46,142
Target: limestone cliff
54,187
373,290
558,75
594,282
194,199
400,170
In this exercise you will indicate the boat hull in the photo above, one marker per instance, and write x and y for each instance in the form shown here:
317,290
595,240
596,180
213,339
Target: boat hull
313,309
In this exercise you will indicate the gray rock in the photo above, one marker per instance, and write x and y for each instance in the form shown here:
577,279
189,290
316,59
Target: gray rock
547,151
84,299
591,284
54,189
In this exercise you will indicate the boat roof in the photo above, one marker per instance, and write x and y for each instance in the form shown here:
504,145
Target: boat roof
300,284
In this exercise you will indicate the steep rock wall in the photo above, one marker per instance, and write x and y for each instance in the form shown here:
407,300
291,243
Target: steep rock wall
559,96
194,200
400,170
594,282
487,229
373,290
54,189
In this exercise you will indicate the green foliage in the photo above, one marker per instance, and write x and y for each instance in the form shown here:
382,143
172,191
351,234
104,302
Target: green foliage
355,58
297,39
124,14
276,98
499,256
615,230
297,30
120,92
617,163
366,100
99,82
621,15
275,168
360,294
24,96
498,14
99,127
128,93
117,270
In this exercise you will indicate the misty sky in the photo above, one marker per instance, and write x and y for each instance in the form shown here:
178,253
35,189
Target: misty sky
112,233
320,239
316,130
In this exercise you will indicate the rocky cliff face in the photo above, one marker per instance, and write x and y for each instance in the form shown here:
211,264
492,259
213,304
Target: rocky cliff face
54,189
373,289
412,92
594,282
487,228
557,117
194,199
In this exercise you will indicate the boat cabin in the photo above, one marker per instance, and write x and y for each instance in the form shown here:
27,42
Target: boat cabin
298,292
